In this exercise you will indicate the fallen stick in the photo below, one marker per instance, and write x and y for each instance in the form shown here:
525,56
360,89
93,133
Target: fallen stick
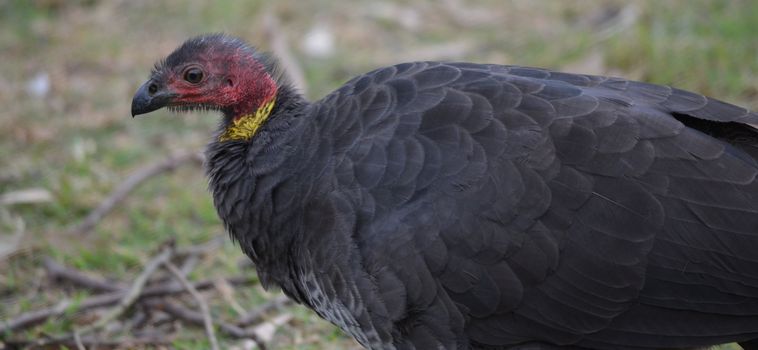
93,342
35,317
132,294
256,315
12,246
206,315
78,342
60,272
126,299
114,292
122,304
196,318
278,42
127,186
31,318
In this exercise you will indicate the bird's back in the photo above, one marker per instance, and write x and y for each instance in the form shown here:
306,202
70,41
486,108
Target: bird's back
488,206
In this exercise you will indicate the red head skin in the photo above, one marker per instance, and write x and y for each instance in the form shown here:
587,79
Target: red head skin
233,81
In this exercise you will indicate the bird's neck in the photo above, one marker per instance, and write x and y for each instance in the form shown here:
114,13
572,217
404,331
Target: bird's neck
243,127
246,173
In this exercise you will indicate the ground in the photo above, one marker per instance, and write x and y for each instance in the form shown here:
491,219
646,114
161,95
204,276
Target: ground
69,69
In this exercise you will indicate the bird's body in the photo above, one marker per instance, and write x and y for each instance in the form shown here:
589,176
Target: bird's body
438,205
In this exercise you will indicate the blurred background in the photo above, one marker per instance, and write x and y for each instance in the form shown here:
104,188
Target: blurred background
68,70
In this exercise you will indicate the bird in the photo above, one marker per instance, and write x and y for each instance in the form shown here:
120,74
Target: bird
454,205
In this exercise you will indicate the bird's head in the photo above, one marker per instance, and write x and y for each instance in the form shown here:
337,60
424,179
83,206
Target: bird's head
210,72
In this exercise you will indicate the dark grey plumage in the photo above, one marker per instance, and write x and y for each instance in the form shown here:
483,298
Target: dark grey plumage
464,206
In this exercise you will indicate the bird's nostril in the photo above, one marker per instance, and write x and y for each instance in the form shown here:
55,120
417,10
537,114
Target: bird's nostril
152,89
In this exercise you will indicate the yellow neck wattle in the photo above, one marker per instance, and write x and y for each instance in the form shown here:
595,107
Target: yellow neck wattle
244,127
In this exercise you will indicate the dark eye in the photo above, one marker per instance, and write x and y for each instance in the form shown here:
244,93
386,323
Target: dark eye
193,75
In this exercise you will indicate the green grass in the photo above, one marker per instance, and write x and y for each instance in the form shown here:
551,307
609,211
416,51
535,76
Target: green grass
79,141
715,44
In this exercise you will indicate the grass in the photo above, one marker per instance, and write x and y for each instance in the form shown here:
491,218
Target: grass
78,141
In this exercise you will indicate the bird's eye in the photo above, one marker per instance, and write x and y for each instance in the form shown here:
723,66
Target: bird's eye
193,75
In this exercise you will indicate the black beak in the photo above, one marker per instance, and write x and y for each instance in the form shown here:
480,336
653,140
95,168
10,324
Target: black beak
149,97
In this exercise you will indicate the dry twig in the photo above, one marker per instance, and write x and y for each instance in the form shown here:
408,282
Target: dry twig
123,304
95,342
116,294
195,317
279,45
78,341
11,246
203,248
32,318
26,196
266,330
227,293
132,181
60,272
256,315
206,315
133,293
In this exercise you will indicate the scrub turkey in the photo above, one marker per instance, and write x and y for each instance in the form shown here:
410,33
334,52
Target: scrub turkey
435,205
